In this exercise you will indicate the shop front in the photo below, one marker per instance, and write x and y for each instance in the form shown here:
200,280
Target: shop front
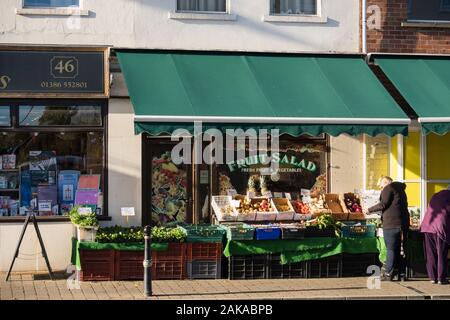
53,114
419,160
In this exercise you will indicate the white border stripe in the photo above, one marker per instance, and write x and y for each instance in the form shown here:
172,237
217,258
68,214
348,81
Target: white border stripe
434,119
273,120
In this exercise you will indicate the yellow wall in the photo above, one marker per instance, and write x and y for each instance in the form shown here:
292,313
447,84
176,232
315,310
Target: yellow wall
413,193
393,159
412,156
433,188
438,157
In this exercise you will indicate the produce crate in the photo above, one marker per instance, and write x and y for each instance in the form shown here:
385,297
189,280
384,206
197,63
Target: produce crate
239,231
355,265
356,216
267,233
203,251
301,217
129,265
315,232
292,232
168,269
358,230
175,252
249,267
335,203
200,269
246,217
265,216
330,267
297,270
97,265
286,215
219,203
204,233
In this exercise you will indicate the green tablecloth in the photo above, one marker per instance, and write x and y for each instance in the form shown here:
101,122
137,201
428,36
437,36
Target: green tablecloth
110,246
305,249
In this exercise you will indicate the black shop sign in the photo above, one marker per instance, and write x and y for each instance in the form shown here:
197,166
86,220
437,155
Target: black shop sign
53,73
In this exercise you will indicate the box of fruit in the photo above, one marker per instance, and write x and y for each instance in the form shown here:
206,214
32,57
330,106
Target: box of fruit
265,210
246,211
284,207
223,209
353,205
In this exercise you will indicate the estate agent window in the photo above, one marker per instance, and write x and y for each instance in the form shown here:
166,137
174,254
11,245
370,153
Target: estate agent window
430,10
202,5
50,3
295,7
52,157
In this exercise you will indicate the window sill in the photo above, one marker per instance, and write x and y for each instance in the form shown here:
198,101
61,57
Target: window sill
21,219
52,12
295,19
425,24
202,16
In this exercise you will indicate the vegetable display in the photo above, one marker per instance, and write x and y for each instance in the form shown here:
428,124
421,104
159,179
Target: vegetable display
352,203
300,207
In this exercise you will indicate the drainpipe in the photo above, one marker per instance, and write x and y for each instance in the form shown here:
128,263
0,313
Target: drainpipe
364,26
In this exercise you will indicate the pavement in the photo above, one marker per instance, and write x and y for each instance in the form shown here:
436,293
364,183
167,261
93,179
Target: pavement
40,287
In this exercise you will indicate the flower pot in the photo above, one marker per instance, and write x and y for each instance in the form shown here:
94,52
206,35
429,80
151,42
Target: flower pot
86,234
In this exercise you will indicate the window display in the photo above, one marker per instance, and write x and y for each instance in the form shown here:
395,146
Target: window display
40,170
301,165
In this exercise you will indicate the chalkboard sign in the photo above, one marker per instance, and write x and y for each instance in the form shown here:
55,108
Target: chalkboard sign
58,73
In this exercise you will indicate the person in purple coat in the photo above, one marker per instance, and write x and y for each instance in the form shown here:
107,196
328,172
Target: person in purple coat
436,229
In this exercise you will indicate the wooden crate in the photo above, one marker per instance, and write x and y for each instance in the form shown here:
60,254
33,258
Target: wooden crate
336,204
283,215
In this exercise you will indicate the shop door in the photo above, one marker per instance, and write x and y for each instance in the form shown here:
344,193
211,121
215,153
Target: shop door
167,187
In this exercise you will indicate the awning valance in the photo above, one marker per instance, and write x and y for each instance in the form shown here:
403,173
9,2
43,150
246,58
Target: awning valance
425,84
296,94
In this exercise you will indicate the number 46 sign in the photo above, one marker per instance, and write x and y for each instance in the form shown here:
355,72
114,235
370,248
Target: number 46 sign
64,67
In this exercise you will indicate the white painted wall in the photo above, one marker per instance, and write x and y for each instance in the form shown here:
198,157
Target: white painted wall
346,163
146,24
57,240
124,163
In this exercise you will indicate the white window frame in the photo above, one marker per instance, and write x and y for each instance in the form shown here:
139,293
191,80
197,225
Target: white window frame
53,11
203,15
320,17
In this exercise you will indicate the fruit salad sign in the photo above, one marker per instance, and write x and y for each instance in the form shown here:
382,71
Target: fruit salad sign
169,190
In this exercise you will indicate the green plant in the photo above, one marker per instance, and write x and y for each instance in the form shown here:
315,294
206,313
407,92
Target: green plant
118,234
83,220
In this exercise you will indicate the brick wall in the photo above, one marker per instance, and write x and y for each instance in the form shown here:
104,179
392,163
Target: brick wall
395,38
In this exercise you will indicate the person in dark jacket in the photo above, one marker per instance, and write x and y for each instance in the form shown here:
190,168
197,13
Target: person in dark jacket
436,226
395,217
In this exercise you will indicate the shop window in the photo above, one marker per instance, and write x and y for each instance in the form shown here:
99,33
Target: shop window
5,116
429,10
202,5
302,165
49,115
377,160
40,171
50,3
296,7
51,159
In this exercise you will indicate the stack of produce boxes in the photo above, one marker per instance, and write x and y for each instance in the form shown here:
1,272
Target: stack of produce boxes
204,251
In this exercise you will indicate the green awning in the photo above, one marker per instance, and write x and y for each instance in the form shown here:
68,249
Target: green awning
296,94
425,84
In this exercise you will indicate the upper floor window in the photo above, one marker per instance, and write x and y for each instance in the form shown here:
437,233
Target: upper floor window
299,7
202,5
50,3
429,10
